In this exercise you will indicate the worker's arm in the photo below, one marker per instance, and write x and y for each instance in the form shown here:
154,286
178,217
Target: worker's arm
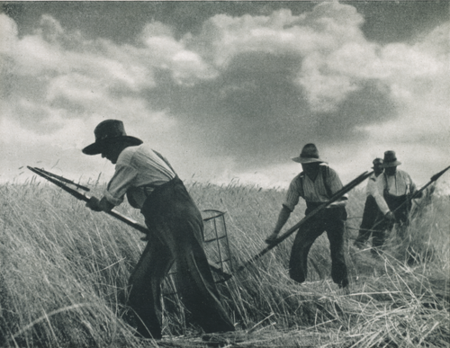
282,219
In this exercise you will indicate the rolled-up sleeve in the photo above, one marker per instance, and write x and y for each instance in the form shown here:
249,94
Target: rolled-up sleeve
379,187
371,186
117,187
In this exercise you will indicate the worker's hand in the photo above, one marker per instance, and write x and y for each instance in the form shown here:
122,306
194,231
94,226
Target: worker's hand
418,194
272,238
337,204
94,204
431,189
390,216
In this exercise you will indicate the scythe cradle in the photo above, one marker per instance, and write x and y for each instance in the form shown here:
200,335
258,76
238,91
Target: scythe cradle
217,249
215,236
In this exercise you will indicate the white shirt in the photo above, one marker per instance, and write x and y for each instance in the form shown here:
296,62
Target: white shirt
312,190
399,184
371,185
139,170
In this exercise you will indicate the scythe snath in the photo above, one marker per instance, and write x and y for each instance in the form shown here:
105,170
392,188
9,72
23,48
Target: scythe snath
221,266
294,228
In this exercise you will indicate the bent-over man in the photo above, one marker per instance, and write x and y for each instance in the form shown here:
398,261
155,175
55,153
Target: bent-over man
370,206
176,229
316,184
393,196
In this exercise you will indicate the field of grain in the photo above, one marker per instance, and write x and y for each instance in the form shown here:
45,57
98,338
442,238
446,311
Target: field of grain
64,272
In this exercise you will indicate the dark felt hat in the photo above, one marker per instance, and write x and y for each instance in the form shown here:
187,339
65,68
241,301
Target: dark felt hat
377,161
106,132
309,154
390,160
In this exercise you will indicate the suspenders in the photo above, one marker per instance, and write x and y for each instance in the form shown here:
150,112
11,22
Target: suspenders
386,188
325,174
325,170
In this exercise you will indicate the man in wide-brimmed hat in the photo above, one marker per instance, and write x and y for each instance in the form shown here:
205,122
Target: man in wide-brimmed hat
316,184
395,187
370,206
176,230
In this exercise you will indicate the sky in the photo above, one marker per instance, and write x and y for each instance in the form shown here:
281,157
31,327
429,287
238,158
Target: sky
229,92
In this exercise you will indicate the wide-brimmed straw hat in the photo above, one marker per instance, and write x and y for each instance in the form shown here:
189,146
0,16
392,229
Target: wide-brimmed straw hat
377,161
309,154
390,160
106,132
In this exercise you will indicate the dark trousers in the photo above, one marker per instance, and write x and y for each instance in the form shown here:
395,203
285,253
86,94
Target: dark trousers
176,229
400,206
332,221
370,215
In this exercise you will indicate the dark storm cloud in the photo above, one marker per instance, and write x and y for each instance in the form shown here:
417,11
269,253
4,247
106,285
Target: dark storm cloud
370,104
123,21
398,21
385,21
255,113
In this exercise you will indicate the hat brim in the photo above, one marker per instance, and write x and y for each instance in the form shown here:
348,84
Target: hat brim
97,147
306,160
391,164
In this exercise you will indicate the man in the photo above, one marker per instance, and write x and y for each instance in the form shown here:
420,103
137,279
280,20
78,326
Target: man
176,229
393,196
370,207
316,184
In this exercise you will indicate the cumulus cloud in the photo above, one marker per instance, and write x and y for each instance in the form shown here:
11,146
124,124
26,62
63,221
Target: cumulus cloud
53,71
70,65
419,76
328,35
162,51
244,93
283,78
9,34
